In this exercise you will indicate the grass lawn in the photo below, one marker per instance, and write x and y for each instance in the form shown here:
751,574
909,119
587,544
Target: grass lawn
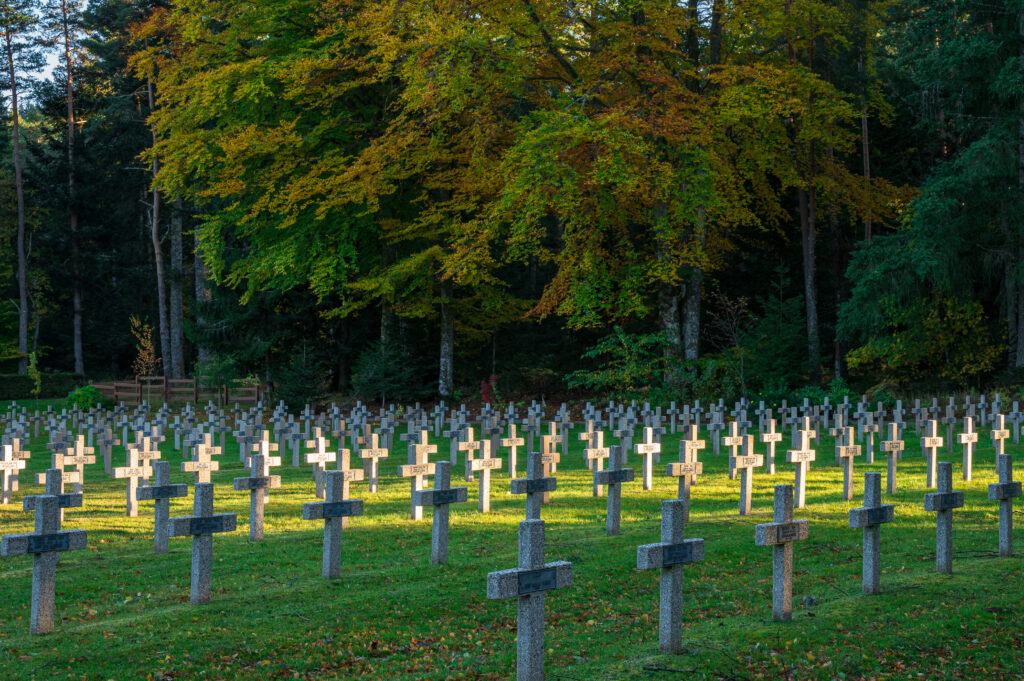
123,612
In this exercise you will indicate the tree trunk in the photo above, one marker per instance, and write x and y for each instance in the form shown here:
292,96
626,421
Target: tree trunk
76,290
158,257
692,292
668,313
445,373
865,151
20,195
177,280
203,298
807,230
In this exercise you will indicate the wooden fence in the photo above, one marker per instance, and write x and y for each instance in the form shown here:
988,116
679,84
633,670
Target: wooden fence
158,389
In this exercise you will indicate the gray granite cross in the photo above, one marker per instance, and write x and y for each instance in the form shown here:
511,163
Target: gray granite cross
943,502
534,486
161,492
670,556
527,583
1004,492
892,448
440,497
257,484
54,486
332,511
201,526
780,535
613,478
733,441
45,546
870,517
930,444
688,467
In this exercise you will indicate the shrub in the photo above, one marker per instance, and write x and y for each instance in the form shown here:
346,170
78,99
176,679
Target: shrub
83,397
384,372
20,387
303,380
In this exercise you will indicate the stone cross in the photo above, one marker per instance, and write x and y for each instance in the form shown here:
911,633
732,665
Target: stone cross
688,467
440,497
371,455
257,484
135,472
535,486
1004,492
54,486
967,439
201,526
734,441
106,442
469,445
161,492
647,449
943,502
802,458
528,583
780,535
892,447
513,442
79,456
870,517
868,428
8,469
595,454
418,467
549,458
485,465
45,545
332,511
847,452
319,457
670,555
614,477
202,464
931,444
745,464
999,434
770,438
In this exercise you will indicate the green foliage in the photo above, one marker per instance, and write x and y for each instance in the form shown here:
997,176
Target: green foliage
35,375
383,371
20,387
302,380
710,378
216,373
83,397
627,364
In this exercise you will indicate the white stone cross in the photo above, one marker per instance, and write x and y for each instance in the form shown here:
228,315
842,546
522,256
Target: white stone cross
968,438
930,444
802,458
79,456
1004,492
999,434
319,457
418,467
892,447
870,517
647,449
134,473
528,583
734,441
9,466
780,535
201,526
770,438
332,511
484,465
371,455
440,497
513,442
943,502
745,463
161,492
258,483
847,451
688,467
670,556
595,455
469,445
45,545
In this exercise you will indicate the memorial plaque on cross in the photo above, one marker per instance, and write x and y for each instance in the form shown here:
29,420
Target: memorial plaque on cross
780,535
161,492
647,449
847,451
942,503
513,442
671,555
258,484
1005,491
688,467
528,583
968,438
802,458
418,467
440,497
871,517
332,511
201,526
770,438
45,546
745,464
892,447
470,446
595,455
999,434
733,441
484,466
930,445
613,478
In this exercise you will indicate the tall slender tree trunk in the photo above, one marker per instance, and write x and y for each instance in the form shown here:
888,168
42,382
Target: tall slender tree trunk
166,354
177,306
203,298
76,274
445,384
19,191
808,236
1020,199
865,151
693,290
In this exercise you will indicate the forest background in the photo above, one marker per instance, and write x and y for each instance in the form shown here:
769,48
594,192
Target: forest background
402,199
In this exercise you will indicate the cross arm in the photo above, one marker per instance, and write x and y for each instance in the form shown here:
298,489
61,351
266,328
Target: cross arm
23,544
651,556
518,582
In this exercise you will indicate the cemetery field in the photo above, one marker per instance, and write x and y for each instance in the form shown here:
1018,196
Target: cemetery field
124,613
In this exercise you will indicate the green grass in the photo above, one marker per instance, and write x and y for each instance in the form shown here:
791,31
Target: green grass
123,612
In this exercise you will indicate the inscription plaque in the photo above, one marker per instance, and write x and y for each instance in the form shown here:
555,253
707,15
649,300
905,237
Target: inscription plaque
532,581
46,543
206,525
674,554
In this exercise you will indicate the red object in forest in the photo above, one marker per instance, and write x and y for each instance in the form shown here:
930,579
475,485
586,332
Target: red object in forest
487,389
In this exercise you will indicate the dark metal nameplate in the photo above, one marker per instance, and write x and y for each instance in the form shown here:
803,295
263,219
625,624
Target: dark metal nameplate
67,500
674,554
532,581
534,486
877,516
945,501
445,496
206,525
166,492
787,532
618,476
338,509
46,543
